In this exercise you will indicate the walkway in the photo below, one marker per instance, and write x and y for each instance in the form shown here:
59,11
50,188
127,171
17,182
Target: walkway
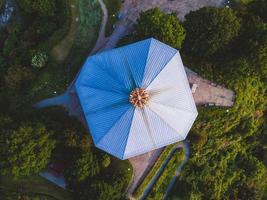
209,93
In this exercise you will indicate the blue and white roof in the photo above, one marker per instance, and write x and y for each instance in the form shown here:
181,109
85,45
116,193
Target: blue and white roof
105,83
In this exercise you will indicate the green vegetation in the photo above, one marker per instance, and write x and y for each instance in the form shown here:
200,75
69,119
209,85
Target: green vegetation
164,180
229,150
164,27
86,165
209,30
228,158
89,23
39,59
229,46
113,7
30,71
164,154
39,7
32,188
25,150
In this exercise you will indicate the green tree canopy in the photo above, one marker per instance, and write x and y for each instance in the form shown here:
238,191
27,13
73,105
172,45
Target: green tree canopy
258,8
209,30
18,77
40,7
84,165
162,26
25,150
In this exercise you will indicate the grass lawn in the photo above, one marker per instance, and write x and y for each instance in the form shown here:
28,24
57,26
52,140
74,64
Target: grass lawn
62,49
32,186
113,7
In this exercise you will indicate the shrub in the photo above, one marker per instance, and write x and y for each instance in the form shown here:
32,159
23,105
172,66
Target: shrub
39,59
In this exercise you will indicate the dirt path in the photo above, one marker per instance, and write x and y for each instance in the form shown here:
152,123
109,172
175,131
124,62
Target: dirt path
101,40
62,49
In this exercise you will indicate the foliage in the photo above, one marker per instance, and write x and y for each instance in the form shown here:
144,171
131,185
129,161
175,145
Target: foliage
31,187
25,150
106,161
83,166
258,8
90,17
113,7
164,27
40,7
18,77
164,154
227,159
164,180
39,59
209,30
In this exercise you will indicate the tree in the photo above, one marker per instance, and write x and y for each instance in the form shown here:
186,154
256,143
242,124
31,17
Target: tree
40,7
162,26
18,77
253,44
84,165
209,30
258,8
25,150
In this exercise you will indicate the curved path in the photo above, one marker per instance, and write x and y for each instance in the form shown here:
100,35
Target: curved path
101,40
184,145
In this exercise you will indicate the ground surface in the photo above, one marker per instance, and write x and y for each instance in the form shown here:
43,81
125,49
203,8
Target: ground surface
62,49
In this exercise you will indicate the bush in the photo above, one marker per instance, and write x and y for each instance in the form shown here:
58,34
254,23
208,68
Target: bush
39,59
106,161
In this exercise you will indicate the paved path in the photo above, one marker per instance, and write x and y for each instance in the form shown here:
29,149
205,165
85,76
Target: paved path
210,93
